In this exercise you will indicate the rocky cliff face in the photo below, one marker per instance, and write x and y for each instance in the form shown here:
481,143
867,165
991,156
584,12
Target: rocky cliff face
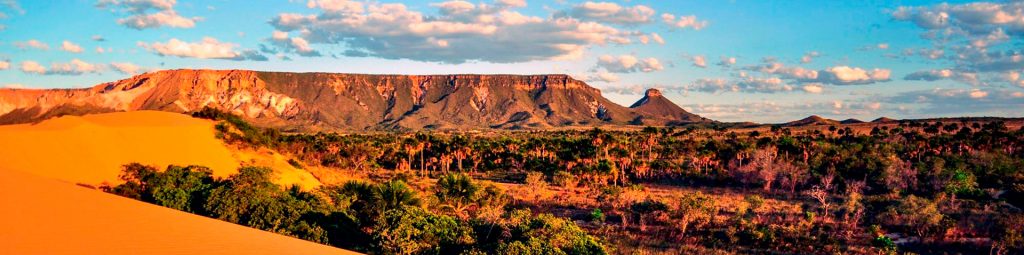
327,101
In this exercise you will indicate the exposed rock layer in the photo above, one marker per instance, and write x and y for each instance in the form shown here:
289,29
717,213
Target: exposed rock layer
319,101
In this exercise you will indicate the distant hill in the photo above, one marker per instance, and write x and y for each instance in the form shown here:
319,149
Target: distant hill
330,101
851,121
813,120
655,108
884,120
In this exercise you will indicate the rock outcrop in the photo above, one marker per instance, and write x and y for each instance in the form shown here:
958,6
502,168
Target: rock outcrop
654,108
329,101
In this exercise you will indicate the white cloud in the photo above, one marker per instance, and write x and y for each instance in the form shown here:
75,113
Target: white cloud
873,106
32,44
807,58
208,48
944,74
977,94
699,61
145,14
4,64
837,104
683,22
644,39
490,33
969,102
628,64
293,44
32,67
126,68
978,38
813,88
511,3
13,86
70,47
854,75
930,75
837,75
603,76
75,67
98,38
726,61
608,12
744,83
796,73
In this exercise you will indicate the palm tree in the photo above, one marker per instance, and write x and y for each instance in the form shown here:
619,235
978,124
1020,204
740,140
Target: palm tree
456,192
393,195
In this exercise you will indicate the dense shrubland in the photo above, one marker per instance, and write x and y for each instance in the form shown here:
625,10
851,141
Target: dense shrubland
917,186
388,218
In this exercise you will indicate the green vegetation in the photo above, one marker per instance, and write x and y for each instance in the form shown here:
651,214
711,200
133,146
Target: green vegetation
915,186
386,218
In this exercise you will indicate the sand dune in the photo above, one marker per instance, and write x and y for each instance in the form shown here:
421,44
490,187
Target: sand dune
91,149
45,216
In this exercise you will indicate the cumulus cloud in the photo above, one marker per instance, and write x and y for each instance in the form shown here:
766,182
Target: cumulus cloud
126,68
628,64
837,75
777,112
608,12
813,88
297,45
699,61
930,75
683,22
744,83
786,72
845,75
976,37
459,32
944,74
970,17
4,64
70,47
32,67
603,76
644,39
807,58
32,44
974,102
726,61
208,48
74,67
773,77
977,93
146,14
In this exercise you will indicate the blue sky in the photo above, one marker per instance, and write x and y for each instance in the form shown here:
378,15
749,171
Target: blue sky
764,61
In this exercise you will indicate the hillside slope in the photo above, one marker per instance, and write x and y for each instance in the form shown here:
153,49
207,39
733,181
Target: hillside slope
329,101
655,107
45,216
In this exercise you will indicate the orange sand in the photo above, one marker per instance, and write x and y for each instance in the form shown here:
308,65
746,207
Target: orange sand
91,149
45,216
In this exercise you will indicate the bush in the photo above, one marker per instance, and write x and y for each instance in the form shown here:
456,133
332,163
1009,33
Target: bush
564,179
